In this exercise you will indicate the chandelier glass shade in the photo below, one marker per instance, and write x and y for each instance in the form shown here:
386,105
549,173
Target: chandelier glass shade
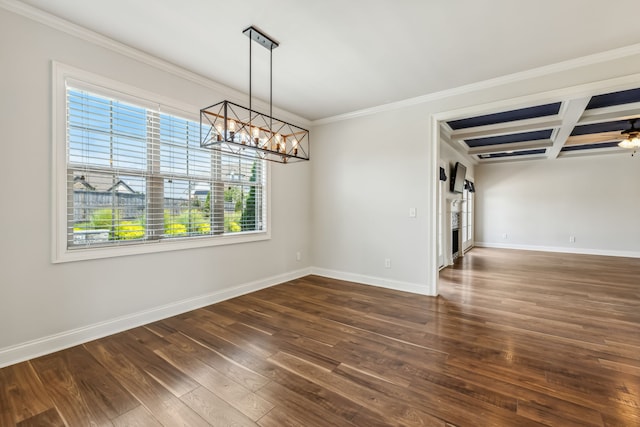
248,133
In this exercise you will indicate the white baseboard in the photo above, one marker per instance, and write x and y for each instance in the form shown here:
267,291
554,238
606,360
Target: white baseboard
374,281
41,346
568,250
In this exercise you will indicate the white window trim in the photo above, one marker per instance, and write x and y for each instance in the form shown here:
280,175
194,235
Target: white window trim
61,74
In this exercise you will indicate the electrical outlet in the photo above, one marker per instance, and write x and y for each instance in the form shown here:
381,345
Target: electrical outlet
387,263
298,256
505,236
572,239
412,212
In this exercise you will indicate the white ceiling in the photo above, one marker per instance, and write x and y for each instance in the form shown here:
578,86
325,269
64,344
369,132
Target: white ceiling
339,56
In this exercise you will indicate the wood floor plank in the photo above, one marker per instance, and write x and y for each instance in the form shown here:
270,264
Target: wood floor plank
140,352
441,402
281,417
160,328
300,402
363,396
514,339
230,311
260,348
521,391
137,417
161,402
294,320
551,416
100,389
49,418
413,413
214,410
67,392
222,350
234,394
227,366
22,395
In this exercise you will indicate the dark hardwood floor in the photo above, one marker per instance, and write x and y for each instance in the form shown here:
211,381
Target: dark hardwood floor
515,339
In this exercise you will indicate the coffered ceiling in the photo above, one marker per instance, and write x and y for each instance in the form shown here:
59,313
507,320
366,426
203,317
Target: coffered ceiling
567,127
338,56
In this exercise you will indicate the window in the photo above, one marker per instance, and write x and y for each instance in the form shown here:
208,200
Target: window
136,180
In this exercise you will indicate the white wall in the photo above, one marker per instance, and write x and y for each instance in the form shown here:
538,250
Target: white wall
367,174
540,204
39,299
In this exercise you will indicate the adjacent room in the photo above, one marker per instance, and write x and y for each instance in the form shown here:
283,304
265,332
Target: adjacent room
280,213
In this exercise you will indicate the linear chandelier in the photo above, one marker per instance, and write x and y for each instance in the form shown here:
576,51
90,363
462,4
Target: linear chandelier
248,133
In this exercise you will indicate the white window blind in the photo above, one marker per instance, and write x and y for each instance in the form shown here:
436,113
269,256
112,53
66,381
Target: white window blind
137,175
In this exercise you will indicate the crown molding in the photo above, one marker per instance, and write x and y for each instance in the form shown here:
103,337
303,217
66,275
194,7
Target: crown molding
98,39
545,70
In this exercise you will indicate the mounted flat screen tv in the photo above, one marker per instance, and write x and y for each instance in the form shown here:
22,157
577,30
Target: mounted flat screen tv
458,177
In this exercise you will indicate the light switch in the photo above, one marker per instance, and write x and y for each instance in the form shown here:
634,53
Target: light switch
412,212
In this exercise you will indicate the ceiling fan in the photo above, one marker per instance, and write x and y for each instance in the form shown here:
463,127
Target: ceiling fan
631,137
620,135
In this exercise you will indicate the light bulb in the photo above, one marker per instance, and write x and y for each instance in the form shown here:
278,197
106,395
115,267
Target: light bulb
255,132
294,145
244,136
276,145
219,131
231,126
626,143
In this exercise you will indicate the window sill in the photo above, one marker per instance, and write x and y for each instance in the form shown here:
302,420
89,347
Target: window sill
82,254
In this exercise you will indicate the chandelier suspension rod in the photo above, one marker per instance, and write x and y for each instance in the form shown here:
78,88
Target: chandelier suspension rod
250,97
269,44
